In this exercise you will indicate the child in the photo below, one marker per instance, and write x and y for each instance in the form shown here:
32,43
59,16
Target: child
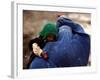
48,34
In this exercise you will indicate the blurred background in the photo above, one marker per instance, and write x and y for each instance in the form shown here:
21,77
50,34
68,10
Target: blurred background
33,22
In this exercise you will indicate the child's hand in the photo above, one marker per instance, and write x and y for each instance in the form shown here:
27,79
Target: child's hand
36,49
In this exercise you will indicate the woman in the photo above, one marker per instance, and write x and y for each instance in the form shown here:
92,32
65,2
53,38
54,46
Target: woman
71,49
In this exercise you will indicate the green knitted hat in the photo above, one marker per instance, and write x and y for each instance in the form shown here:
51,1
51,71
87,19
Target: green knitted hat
49,29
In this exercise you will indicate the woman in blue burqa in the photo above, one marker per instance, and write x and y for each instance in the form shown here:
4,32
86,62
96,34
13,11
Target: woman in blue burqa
71,49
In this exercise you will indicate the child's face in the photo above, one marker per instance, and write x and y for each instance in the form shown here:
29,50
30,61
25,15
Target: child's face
34,45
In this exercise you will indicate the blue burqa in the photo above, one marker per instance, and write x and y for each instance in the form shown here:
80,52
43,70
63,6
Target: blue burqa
71,49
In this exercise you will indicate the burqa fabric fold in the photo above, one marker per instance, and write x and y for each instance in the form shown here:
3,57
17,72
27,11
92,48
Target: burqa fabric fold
71,49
